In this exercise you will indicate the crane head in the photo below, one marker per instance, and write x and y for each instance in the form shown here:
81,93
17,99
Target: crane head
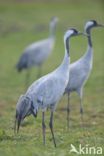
71,32
23,109
91,24
54,19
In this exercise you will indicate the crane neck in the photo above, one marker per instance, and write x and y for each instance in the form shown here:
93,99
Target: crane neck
89,53
66,61
88,31
52,30
67,45
90,40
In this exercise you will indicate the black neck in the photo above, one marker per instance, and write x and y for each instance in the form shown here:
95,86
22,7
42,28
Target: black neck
89,37
67,46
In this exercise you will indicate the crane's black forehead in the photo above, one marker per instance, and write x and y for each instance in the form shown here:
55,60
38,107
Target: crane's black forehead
93,21
74,30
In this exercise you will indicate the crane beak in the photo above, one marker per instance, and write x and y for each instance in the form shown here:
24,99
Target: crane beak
17,123
81,33
100,25
85,34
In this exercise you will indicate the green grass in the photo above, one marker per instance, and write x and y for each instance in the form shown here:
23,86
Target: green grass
23,23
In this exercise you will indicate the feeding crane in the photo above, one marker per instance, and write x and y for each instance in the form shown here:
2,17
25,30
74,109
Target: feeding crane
81,69
46,91
36,53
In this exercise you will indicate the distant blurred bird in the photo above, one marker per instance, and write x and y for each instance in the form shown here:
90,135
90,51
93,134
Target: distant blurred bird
80,70
36,53
46,91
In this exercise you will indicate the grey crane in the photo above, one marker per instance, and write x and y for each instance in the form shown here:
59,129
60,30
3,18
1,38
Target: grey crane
46,91
36,53
80,70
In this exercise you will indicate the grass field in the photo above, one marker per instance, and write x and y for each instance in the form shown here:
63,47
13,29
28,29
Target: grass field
23,23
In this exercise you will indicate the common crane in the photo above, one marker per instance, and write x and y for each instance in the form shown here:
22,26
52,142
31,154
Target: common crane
46,91
81,69
36,53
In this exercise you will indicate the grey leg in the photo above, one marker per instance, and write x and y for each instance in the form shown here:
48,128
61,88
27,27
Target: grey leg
15,123
81,109
81,104
43,127
18,123
68,110
51,127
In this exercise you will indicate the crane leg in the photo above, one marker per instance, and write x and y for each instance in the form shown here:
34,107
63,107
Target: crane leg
81,105
15,122
68,111
80,93
43,127
51,127
81,110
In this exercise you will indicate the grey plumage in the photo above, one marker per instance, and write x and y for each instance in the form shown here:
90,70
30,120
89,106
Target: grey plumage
80,70
23,109
36,53
47,91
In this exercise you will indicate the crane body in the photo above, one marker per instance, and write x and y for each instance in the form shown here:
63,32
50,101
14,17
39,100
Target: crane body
80,70
46,91
38,52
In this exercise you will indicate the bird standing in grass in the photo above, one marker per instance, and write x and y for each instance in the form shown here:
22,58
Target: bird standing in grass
80,70
36,53
46,91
